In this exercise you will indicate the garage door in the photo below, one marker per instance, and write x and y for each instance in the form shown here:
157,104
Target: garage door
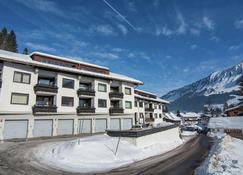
85,126
15,129
115,124
100,125
127,123
42,128
65,127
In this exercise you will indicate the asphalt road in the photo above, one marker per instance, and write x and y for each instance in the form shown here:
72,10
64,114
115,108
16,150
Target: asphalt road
16,159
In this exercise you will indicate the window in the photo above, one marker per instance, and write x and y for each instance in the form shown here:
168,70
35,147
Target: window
159,106
160,116
44,100
20,77
136,104
20,99
102,87
140,104
67,101
102,103
46,81
85,103
68,83
128,105
85,86
156,115
155,106
128,91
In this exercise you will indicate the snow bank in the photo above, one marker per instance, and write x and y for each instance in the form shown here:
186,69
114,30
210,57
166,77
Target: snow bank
189,133
225,158
97,153
226,123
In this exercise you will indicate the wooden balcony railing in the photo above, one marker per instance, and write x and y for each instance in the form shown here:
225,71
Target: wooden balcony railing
81,109
45,109
46,88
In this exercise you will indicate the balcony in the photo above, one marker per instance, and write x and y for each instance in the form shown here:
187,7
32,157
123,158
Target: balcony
116,95
86,92
149,109
46,88
44,109
89,109
116,110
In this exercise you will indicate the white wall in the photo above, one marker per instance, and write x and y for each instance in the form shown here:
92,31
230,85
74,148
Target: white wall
8,86
128,98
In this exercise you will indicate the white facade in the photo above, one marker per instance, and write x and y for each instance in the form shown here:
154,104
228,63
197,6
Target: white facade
65,119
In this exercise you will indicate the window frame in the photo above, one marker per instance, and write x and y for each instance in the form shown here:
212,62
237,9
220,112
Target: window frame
130,91
130,105
102,106
21,78
69,98
102,84
140,106
23,94
70,80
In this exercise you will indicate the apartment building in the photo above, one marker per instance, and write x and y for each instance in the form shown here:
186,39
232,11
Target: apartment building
46,95
149,108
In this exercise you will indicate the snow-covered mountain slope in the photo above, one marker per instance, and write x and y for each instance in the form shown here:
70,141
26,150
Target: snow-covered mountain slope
218,85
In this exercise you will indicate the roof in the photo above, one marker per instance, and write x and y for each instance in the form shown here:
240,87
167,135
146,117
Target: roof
172,116
146,92
190,115
26,59
226,123
67,59
152,99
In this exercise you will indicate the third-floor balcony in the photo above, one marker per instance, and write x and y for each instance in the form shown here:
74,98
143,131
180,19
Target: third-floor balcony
149,109
86,92
46,88
116,95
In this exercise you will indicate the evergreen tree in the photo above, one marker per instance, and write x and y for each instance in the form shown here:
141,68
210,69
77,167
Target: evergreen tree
178,114
3,38
26,51
11,42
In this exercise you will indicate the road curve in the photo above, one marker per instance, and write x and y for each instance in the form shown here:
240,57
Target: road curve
16,159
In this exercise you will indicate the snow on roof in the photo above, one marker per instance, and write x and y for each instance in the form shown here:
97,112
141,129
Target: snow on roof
152,99
172,116
226,123
67,59
21,58
190,114
146,92
235,100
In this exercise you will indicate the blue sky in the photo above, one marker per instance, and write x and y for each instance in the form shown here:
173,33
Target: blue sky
164,43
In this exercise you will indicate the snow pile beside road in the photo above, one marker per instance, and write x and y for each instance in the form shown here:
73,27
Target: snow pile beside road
188,133
225,158
97,153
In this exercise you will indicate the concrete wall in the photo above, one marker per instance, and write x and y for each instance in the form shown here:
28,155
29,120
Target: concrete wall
163,136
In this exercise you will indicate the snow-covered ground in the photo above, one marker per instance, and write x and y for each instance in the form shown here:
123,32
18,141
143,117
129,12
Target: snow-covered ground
225,158
226,123
188,133
97,153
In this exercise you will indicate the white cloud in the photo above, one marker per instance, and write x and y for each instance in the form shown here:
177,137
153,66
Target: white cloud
117,49
239,24
139,55
208,23
109,56
122,28
234,47
214,38
40,47
195,31
182,24
105,30
193,46
42,5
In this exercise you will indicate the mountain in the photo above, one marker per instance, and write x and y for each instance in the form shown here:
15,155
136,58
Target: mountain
216,88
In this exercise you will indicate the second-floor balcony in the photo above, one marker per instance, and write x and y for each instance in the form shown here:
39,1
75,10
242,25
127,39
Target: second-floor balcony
46,88
44,109
116,110
85,109
86,92
116,95
149,109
